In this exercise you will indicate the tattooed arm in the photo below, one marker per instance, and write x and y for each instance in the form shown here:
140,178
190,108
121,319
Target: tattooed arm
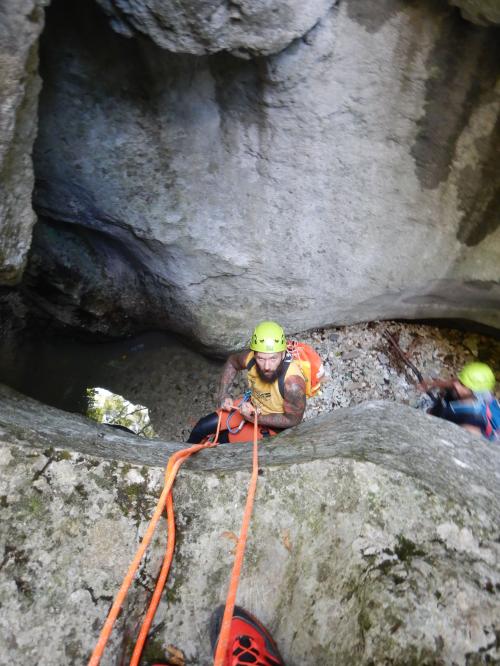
452,384
427,384
294,404
233,365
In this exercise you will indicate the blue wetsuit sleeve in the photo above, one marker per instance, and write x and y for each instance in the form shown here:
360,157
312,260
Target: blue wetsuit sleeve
474,408
473,413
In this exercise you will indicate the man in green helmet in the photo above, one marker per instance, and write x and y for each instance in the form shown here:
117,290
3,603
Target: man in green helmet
277,387
468,400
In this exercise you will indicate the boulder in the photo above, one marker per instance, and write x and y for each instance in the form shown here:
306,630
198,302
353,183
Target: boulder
350,177
21,22
374,539
244,27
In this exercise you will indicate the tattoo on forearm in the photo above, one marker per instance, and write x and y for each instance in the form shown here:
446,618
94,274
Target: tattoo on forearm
277,421
294,404
226,381
233,365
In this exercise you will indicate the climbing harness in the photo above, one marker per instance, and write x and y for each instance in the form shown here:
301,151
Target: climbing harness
234,431
166,501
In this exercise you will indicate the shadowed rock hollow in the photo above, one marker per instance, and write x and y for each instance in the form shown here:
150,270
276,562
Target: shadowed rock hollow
349,177
375,538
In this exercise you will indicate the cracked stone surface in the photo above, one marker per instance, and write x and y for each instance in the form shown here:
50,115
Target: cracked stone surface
375,536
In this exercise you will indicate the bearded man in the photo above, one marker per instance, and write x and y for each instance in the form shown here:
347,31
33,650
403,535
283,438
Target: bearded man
277,387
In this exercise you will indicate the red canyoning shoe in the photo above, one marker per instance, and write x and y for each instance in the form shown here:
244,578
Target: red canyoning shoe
249,641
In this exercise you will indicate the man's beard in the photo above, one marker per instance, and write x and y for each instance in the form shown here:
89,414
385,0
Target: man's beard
270,379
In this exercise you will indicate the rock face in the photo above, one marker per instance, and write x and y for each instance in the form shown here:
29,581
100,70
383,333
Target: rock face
245,27
352,176
482,12
374,539
21,22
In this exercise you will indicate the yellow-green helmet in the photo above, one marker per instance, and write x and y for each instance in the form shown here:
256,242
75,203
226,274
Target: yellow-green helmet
268,336
477,377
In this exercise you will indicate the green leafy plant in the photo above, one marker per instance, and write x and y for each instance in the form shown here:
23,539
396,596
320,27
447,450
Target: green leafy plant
113,409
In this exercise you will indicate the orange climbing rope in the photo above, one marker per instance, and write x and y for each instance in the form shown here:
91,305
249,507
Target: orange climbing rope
166,500
167,561
222,644
173,466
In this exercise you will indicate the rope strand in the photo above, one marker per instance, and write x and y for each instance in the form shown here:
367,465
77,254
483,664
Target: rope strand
169,554
166,501
170,473
227,618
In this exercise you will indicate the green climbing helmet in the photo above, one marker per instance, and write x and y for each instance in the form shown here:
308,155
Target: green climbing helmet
269,337
477,377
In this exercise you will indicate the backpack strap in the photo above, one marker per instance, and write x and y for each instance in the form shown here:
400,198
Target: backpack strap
492,426
495,419
488,426
284,369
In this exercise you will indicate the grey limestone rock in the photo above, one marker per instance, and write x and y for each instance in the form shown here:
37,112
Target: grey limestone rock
352,176
374,538
244,27
21,22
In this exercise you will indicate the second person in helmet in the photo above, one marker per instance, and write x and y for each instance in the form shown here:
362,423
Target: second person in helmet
468,400
276,383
